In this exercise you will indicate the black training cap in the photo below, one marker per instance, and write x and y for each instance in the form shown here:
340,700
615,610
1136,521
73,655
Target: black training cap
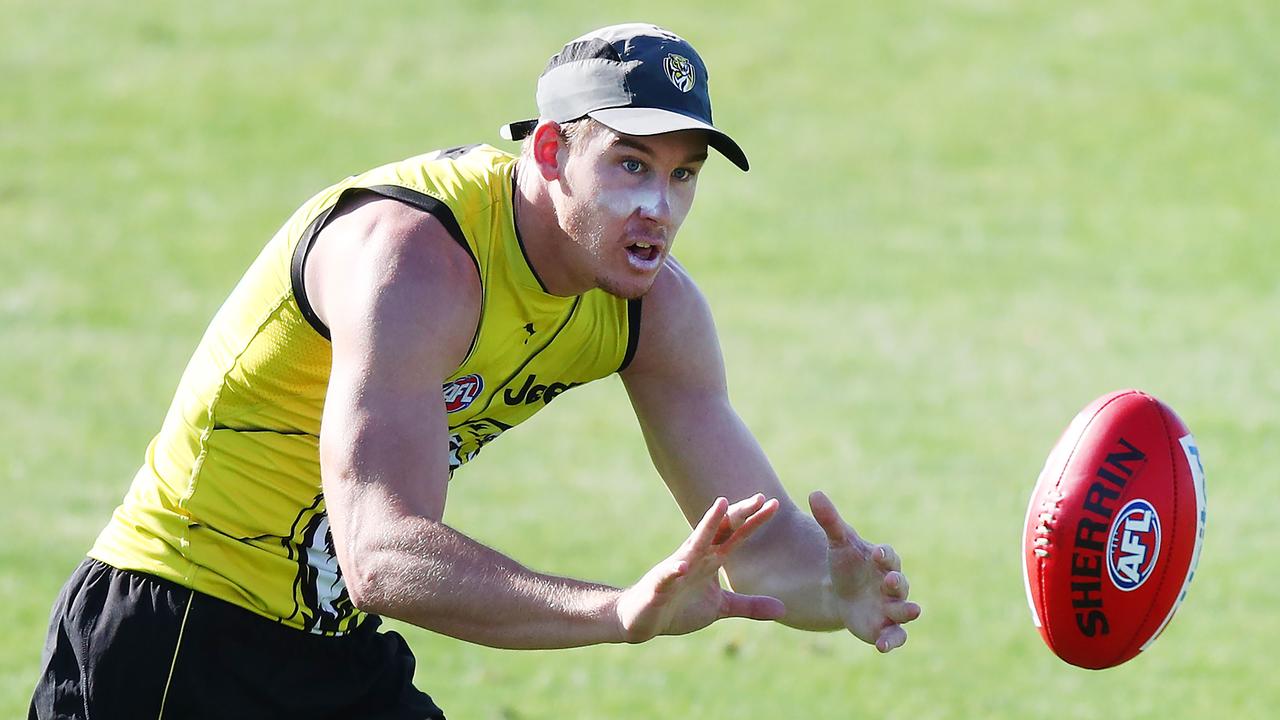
636,79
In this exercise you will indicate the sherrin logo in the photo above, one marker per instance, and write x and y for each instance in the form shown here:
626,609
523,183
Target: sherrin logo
459,394
1133,545
679,71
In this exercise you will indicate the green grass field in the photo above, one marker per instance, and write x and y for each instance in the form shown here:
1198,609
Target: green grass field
965,220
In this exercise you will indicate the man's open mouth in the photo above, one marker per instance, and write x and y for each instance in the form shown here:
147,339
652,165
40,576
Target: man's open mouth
644,251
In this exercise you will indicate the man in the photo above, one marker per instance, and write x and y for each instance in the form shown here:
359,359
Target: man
296,489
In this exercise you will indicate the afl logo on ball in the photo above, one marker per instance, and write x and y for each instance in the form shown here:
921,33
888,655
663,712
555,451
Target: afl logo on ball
680,71
1133,545
459,394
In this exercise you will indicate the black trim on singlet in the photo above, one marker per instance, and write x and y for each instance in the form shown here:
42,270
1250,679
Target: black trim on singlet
520,240
432,206
435,207
633,332
220,426
299,264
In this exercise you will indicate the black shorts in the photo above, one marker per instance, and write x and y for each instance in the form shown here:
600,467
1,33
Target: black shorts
128,645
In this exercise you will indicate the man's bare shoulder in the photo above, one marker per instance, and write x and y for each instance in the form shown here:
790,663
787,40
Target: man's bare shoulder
673,295
399,236
675,322
379,260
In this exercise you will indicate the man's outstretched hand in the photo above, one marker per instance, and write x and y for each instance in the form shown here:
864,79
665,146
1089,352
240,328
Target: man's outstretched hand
683,593
866,579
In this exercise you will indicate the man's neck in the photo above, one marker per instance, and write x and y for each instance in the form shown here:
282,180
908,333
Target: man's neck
539,229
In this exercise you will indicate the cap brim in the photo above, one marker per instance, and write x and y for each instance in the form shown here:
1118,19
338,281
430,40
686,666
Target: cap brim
652,121
517,130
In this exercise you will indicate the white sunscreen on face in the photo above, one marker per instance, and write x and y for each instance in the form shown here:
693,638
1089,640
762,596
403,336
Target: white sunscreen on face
621,203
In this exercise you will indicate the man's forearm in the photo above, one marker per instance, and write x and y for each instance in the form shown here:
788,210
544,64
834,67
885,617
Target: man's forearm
430,575
788,560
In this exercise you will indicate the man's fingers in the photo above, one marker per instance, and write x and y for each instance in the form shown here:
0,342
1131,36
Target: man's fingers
705,533
891,637
887,557
668,574
902,612
751,524
723,532
737,514
741,510
754,607
896,585
838,531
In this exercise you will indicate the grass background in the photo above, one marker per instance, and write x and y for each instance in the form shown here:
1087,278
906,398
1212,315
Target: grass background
965,219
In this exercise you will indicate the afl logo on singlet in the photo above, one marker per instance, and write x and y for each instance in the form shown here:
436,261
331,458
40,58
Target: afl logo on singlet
459,394
1133,545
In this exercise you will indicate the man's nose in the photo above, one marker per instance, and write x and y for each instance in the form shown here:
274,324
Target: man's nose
656,205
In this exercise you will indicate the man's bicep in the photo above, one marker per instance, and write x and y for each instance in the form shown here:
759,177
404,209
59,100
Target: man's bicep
398,304
385,436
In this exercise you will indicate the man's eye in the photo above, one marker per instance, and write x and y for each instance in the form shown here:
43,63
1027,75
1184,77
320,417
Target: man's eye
632,166
683,174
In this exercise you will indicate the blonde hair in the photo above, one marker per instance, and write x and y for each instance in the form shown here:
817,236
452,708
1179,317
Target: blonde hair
574,132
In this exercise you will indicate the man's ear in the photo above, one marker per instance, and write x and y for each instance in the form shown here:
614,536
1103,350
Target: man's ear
549,150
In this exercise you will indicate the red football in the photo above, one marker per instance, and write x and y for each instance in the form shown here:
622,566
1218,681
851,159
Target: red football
1114,529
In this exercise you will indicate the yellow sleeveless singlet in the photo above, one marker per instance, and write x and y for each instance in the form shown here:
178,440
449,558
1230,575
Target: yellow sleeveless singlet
229,501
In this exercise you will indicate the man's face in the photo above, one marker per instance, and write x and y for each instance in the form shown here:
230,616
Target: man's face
623,197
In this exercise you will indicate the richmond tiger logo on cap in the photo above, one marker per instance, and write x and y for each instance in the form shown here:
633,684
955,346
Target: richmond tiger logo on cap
679,71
